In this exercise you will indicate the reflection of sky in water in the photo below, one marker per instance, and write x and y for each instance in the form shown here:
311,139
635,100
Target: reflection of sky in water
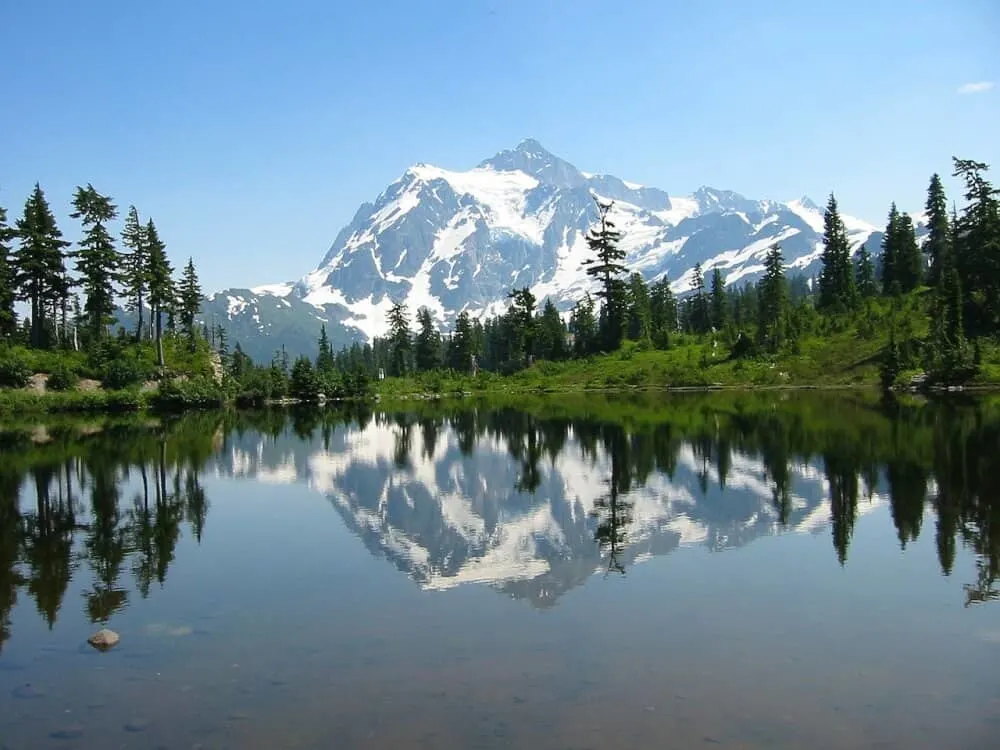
281,630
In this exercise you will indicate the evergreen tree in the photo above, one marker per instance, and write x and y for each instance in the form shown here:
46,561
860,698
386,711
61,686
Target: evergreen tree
97,260
977,247
607,266
891,284
325,363
189,300
909,259
303,383
938,241
461,347
836,282
719,302
399,340
8,318
520,321
772,317
159,277
699,314
663,312
40,270
640,312
135,264
583,327
867,287
240,364
550,334
427,349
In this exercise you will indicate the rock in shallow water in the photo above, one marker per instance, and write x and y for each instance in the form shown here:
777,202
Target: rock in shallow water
102,640
72,732
137,725
27,692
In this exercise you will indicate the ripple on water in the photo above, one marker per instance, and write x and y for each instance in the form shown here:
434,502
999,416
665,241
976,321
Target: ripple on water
69,732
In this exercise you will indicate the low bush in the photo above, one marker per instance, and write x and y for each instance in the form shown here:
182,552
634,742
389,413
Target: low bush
14,370
62,378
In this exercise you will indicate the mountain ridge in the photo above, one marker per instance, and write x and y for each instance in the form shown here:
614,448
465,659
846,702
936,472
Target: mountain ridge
456,241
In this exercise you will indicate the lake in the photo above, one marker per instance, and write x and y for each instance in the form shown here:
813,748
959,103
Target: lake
770,570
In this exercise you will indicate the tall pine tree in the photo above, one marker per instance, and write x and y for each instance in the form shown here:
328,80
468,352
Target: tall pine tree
772,316
977,247
159,277
607,266
399,340
40,269
699,313
719,302
325,361
97,260
938,243
836,282
8,318
135,283
550,334
663,312
189,300
867,286
427,347
639,311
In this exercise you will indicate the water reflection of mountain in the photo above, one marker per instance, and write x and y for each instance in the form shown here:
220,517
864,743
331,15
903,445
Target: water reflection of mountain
531,501
518,506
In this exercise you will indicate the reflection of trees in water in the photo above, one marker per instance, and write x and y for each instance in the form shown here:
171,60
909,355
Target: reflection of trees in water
76,483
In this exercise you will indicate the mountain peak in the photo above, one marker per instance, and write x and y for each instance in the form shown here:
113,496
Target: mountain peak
531,157
532,146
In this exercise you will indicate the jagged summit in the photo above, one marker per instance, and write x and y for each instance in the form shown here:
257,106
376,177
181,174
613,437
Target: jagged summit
453,240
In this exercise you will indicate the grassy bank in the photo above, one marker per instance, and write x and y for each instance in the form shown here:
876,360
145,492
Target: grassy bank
845,358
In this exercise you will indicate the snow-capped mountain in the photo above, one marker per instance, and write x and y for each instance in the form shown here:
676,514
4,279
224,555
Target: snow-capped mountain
461,240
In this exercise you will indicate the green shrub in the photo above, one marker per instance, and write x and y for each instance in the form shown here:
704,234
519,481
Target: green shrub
124,371
14,370
199,392
62,378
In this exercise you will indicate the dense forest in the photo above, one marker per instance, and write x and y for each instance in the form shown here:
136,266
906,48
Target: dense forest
939,299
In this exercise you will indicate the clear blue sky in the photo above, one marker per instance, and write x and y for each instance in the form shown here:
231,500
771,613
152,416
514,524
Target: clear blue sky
251,130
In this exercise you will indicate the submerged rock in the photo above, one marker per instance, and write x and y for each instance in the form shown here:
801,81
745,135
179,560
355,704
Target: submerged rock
71,732
102,640
27,692
137,725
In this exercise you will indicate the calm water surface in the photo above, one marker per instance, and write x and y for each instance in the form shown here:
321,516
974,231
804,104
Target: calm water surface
741,571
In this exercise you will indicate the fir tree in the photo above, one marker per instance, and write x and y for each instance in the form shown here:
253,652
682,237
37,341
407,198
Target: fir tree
583,327
607,266
890,263
461,345
977,247
836,282
550,334
40,270
427,348
909,260
772,316
521,325
189,300
719,301
97,260
867,286
663,312
699,315
135,265
159,277
640,313
938,242
325,363
399,340
8,318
